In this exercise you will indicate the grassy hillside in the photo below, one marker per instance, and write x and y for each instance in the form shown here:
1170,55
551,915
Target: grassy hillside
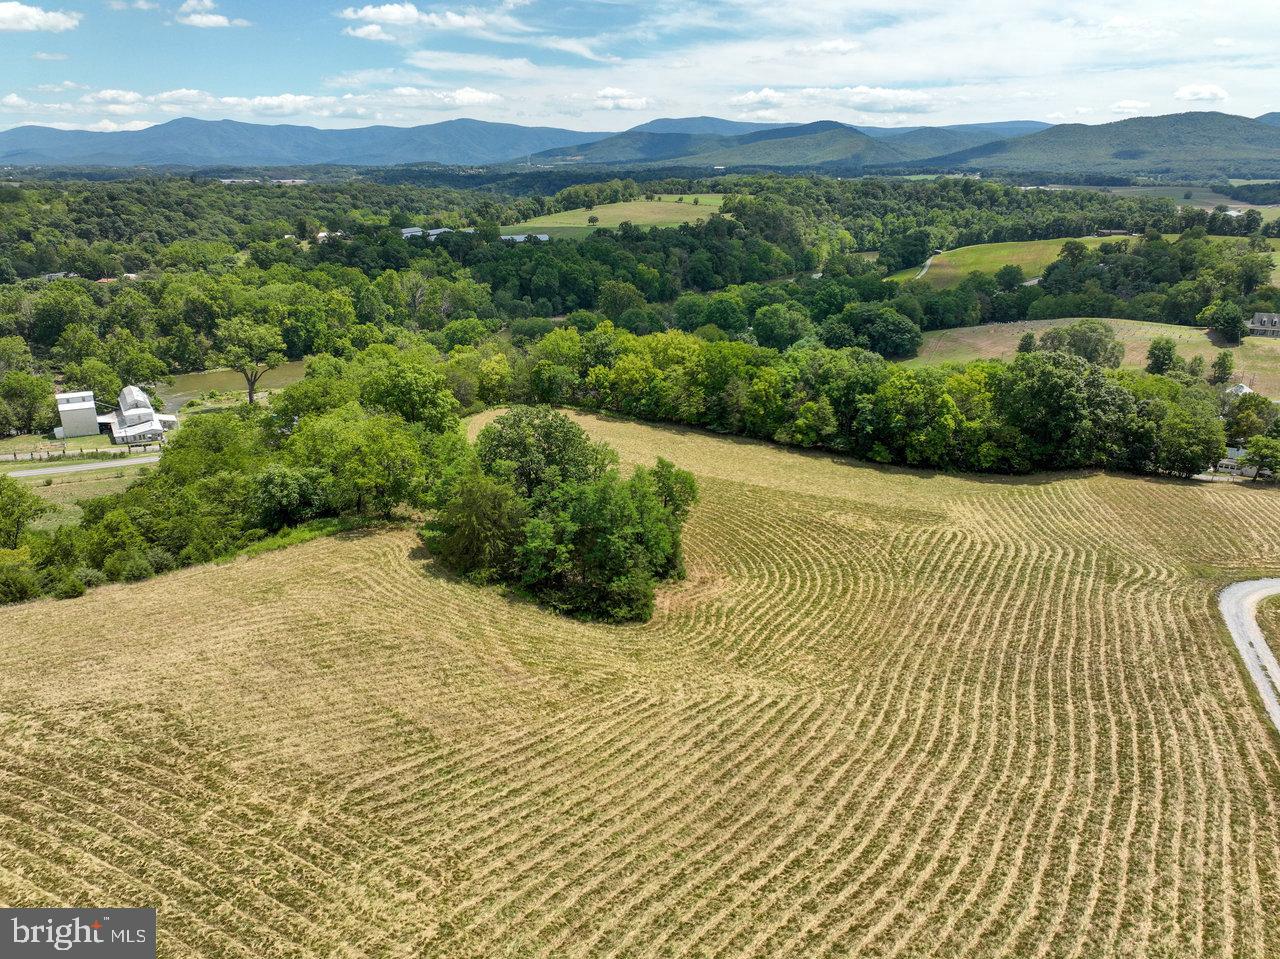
1195,145
888,713
949,268
1257,358
663,212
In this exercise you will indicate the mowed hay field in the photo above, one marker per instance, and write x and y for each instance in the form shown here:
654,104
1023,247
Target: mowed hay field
949,268
888,714
661,211
1257,357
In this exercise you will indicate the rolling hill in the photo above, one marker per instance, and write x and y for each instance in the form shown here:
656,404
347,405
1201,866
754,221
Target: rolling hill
1185,144
714,125
190,142
888,713
824,143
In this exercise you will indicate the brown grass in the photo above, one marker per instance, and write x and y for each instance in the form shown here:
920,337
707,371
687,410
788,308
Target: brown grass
888,714
1257,358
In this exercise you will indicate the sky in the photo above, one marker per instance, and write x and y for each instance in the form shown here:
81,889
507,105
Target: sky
611,64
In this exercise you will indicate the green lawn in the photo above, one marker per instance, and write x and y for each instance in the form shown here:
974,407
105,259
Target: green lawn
661,211
951,267
1257,358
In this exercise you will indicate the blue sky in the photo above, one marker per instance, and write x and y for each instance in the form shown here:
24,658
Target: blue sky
610,64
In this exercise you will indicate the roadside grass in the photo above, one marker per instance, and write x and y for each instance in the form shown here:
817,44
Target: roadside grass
1257,358
1269,620
665,211
885,708
65,492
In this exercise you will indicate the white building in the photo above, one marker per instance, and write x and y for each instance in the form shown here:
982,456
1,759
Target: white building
1238,390
136,421
522,237
411,231
79,414
1264,324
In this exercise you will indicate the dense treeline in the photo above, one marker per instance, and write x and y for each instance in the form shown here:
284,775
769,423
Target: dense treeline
534,503
1193,280
905,220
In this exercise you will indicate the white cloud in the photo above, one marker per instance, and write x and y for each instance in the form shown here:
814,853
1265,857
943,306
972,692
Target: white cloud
112,96
43,55
11,101
132,5
1201,93
763,95
447,61
115,126
408,15
20,16
616,98
865,98
1128,107
369,31
62,87
200,13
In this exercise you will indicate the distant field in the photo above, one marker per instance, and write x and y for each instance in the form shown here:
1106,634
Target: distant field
1257,358
890,713
1202,197
1033,256
664,212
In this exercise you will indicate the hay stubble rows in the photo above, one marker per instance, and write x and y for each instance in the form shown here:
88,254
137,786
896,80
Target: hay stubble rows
887,714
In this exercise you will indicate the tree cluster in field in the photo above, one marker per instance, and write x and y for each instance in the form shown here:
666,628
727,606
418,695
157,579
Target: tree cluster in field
537,505
1193,280
352,442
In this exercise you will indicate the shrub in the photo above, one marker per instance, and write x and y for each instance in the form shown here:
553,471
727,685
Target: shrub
127,566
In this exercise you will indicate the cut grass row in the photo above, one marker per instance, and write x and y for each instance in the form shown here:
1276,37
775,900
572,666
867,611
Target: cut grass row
888,713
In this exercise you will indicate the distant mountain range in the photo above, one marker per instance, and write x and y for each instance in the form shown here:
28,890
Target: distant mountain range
1193,145
1190,145
197,143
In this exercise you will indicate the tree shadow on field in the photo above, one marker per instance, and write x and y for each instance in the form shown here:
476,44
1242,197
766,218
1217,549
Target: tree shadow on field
848,460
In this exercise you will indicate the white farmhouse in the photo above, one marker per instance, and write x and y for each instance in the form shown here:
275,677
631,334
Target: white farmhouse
136,421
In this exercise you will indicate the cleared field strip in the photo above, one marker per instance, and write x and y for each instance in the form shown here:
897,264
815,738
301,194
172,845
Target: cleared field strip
889,713
1257,359
950,267
664,210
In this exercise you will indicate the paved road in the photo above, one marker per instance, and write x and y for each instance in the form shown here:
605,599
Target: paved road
924,269
84,467
1239,605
